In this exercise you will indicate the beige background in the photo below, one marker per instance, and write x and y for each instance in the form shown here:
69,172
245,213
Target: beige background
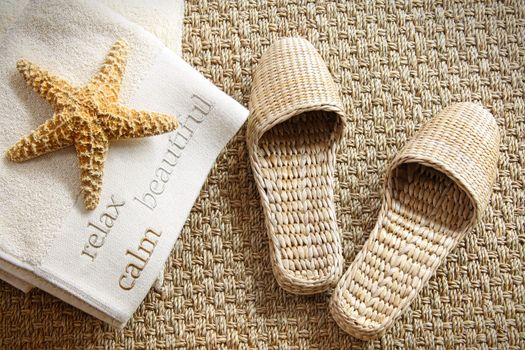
397,64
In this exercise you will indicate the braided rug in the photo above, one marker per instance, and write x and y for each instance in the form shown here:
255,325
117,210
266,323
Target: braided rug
398,64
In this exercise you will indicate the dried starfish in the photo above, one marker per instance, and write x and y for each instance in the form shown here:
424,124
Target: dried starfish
87,117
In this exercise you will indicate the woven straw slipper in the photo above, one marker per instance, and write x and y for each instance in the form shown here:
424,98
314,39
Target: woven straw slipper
293,130
435,191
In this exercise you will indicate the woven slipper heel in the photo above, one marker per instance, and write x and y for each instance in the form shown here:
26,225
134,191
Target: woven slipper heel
296,121
435,191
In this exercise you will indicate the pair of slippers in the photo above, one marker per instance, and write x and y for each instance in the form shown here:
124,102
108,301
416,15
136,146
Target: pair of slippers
435,191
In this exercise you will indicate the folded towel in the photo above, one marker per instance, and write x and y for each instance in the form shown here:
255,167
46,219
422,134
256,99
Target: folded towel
15,281
164,18
102,261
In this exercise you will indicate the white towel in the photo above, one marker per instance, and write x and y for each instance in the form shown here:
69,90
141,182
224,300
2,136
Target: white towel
44,228
163,18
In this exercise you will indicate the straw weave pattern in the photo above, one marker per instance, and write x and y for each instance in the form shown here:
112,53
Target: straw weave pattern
435,190
463,142
295,124
397,64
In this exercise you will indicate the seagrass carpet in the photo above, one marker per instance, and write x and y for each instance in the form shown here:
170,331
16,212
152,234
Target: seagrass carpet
398,64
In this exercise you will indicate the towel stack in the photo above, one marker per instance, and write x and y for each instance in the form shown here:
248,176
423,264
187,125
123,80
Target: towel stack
161,17
150,184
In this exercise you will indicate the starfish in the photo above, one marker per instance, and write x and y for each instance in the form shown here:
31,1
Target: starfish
86,117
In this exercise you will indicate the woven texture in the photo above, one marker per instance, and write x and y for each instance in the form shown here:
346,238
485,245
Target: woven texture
435,190
397,65
296,122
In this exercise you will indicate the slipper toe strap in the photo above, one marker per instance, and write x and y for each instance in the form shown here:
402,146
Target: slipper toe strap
462,142
291,78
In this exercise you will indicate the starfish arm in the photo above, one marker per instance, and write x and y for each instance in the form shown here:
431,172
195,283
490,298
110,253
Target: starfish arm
91,146
54,89
121,122
106,83
53,135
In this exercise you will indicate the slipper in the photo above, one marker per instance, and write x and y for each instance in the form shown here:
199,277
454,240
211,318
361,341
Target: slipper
435,191
295,125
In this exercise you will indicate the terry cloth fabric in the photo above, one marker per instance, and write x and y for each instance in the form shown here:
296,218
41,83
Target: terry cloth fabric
161,17
103,261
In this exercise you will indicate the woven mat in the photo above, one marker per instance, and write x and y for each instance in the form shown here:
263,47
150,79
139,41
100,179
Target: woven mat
397,64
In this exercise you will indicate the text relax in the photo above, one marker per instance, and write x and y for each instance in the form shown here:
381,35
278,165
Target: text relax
139,257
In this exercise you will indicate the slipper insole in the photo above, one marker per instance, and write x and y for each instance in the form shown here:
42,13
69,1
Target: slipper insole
427,215
297,165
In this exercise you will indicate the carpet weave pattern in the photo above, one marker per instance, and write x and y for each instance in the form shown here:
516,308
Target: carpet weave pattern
398,64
